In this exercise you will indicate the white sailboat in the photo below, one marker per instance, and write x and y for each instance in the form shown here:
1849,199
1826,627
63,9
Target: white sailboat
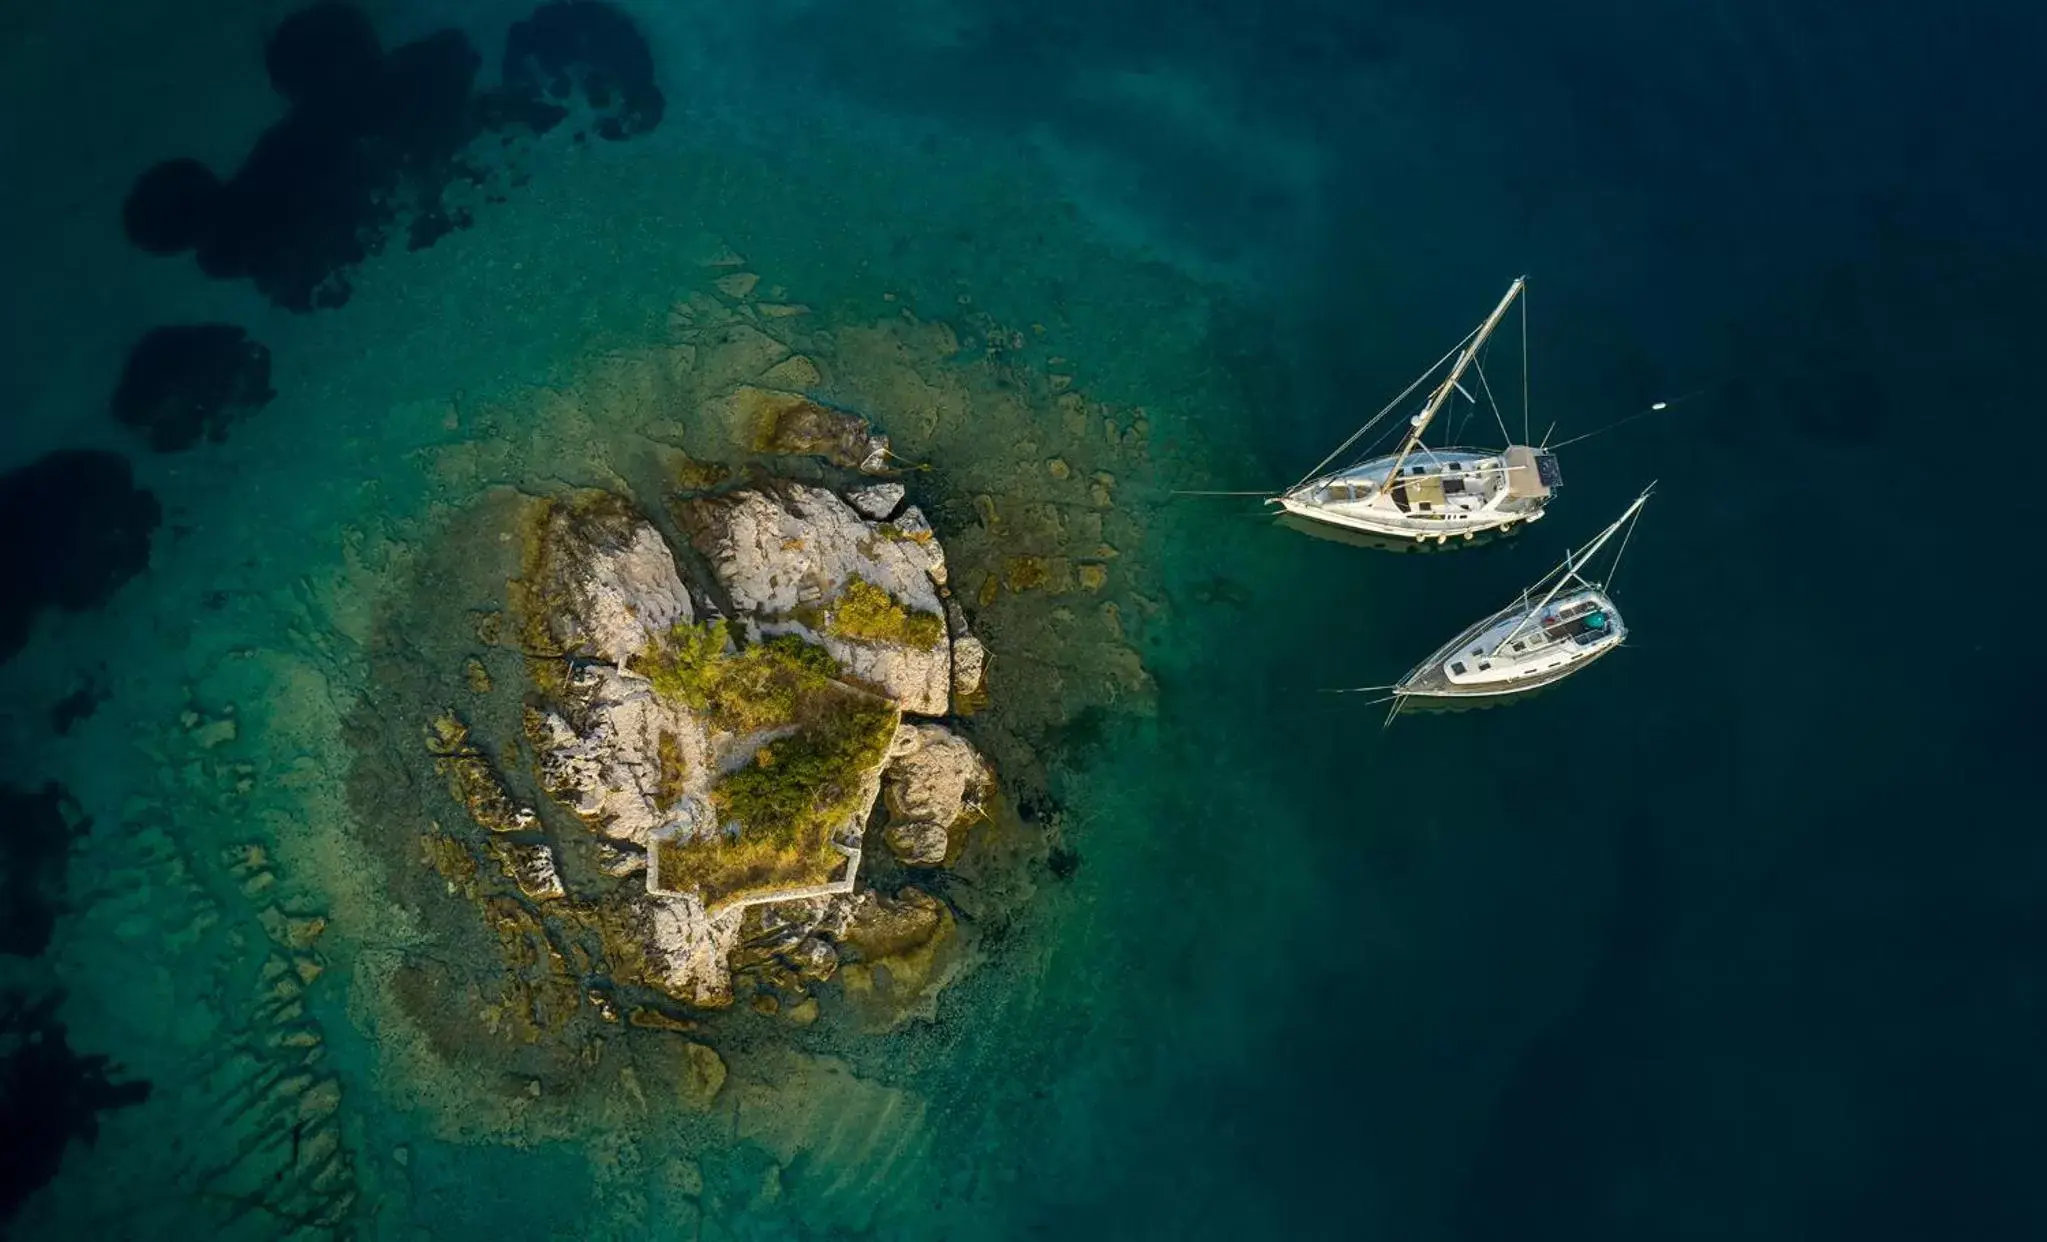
1420,493
1532,642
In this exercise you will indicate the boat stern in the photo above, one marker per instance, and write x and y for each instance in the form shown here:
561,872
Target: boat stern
1533,474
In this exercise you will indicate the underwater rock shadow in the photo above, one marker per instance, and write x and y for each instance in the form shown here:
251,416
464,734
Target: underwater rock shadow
79,703
49,1095
374,140
36,832
76,528
185,381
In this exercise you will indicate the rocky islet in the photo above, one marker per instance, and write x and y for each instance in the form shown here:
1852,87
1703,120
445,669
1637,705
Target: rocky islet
721,740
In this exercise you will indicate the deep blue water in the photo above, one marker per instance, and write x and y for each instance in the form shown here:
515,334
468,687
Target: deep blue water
1738,935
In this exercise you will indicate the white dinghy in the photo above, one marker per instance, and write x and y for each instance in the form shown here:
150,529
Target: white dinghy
1532,642
1417,493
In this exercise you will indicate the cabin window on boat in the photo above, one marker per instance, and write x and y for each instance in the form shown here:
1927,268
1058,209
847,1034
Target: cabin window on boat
1457,667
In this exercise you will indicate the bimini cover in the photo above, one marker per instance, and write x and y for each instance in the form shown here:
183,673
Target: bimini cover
1530,472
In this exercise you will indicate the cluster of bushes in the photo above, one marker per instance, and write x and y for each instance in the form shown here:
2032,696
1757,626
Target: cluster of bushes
865,613
799,789
760,686
809,781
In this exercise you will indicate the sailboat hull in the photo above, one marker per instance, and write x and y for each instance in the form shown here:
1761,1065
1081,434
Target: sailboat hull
1402,544
1473,666
1445,495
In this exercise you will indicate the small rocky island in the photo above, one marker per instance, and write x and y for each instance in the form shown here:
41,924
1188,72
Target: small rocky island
720,716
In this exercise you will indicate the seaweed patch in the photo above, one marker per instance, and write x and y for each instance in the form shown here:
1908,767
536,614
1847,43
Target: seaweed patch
376,142
77,527
185,381
49,1095
36,831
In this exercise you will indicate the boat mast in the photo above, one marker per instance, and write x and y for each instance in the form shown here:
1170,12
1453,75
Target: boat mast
1449,384
1569,568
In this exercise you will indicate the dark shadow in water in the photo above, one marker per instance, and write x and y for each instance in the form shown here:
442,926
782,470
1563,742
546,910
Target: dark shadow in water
191,380
591,49
373,141
1384,543
36,831
49,1096
75,527
79,704
1564,1132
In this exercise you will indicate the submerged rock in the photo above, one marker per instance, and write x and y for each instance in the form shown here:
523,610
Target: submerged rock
530,866
191,380
917,843
472,780
903,956
703,1075
92,528
791,424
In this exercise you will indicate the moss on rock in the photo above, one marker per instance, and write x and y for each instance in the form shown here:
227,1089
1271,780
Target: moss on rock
865,613
472,780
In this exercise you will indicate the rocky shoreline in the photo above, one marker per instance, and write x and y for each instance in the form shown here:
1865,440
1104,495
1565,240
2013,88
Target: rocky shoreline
724,724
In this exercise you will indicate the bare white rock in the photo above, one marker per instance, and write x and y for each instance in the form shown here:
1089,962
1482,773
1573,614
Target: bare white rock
618,591
876,500
688,950
786,546
615,575
601,755
917,538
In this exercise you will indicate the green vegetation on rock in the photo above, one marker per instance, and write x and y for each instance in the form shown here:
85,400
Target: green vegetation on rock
760,686
865,613
812,777
799,789
788,802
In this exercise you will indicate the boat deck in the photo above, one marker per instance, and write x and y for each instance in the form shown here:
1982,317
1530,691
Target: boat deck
1440,493
1540,655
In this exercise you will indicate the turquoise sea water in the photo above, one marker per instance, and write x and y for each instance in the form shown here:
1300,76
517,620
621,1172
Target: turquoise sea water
1738,935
